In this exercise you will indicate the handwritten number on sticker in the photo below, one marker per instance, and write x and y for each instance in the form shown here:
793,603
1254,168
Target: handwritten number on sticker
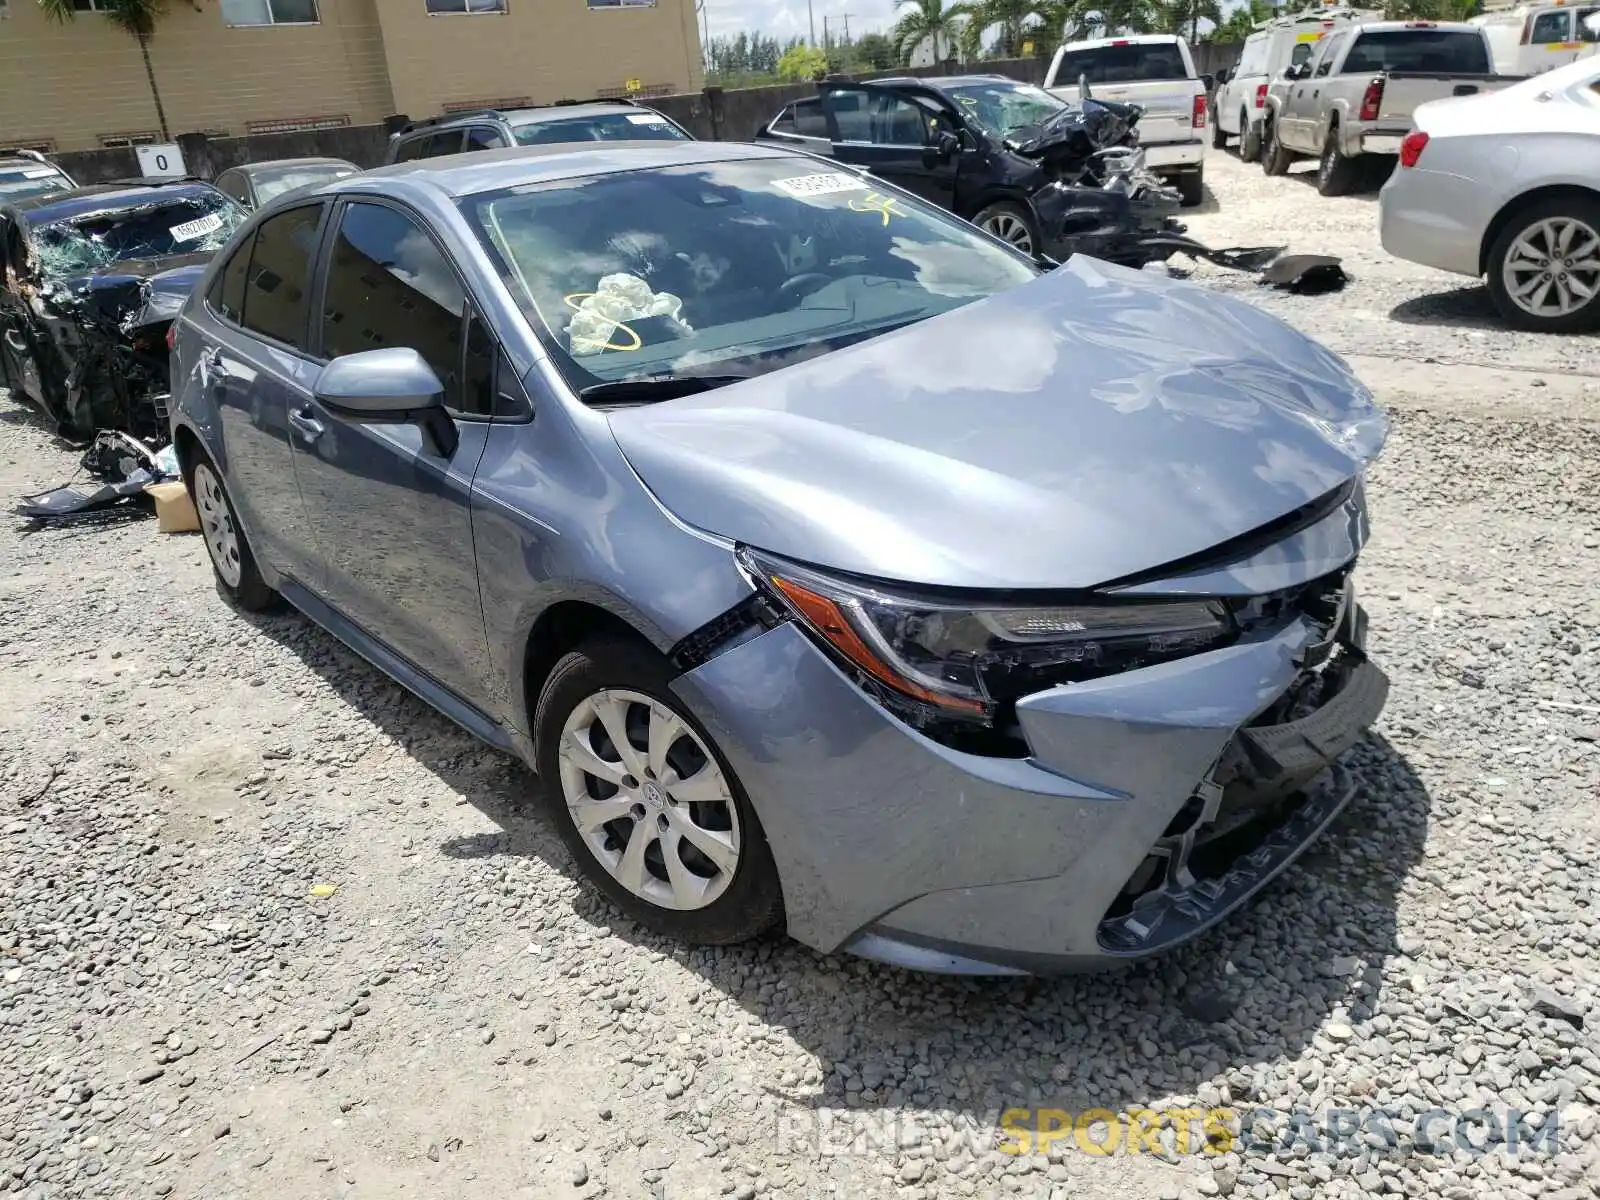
877,202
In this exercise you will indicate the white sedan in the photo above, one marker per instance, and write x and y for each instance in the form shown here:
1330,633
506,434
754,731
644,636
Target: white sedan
1507,186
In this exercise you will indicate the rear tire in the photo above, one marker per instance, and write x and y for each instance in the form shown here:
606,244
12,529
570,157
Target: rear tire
1012,223
1275,160
1336,174
238,577
1249,138
669,786
1527,235
1192,189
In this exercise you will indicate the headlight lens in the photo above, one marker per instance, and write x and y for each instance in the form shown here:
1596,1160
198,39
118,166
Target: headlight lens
966,659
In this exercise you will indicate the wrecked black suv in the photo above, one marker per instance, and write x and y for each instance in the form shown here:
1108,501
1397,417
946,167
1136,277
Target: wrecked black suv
1011,158
92,279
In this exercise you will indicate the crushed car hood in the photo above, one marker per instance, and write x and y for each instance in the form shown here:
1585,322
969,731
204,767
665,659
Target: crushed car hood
1092,424
140,291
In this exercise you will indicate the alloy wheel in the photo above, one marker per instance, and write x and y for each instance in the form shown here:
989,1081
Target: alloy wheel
649,799
222,539
1010,228
1553,267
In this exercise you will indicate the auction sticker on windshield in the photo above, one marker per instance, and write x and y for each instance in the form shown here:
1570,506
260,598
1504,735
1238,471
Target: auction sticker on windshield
821,185
647,119
190,230
39,173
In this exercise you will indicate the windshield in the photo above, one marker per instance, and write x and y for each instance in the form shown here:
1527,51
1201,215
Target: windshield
276,183
1126,63
1426,51
642,125
731,268
156,228
1003,107
18,183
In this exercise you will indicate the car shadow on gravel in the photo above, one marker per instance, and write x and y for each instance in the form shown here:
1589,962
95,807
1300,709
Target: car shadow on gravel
1250,994
1461,308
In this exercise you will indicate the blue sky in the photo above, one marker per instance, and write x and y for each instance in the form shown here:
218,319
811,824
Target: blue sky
784,19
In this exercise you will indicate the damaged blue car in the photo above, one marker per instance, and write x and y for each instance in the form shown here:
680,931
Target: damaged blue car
836,567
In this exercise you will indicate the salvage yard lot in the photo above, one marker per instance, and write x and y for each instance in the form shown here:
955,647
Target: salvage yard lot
186,1011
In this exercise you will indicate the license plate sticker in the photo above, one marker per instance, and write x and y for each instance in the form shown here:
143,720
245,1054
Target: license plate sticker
823,184
191,230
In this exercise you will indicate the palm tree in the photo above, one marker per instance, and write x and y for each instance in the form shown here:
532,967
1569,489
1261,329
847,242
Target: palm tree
1184,16
928,19
136,18
1013,18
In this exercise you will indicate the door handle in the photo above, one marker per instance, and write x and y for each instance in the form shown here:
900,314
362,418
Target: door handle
306,425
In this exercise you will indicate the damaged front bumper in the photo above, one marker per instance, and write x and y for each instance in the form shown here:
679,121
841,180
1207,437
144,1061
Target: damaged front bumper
1152,803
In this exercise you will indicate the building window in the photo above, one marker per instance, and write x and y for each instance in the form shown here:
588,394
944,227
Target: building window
298,124
606,5
456,8
112,141
642,92
265,12
41,145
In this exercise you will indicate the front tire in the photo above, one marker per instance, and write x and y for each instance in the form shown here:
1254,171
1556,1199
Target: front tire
1544,267
1336,174
1275,160
1219,139
648,808
1012,224
1249,139
232,561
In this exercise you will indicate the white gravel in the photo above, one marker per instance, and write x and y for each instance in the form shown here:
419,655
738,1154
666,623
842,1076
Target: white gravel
184,1012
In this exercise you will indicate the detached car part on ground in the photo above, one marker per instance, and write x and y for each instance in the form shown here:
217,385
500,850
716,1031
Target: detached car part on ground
93,278
1047,177
1506,187
834,565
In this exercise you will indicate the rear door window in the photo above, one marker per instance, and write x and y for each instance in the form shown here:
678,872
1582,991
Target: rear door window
1130,62
280,275
227,293
809,120
1425,51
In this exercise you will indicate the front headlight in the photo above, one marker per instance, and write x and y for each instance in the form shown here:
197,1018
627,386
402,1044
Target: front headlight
968,658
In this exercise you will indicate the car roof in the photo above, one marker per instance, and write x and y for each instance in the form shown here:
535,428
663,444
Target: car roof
1132,39
285,164
491,170
100,197
10,162
558,112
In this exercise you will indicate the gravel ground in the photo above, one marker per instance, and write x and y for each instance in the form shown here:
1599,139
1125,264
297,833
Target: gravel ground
270,927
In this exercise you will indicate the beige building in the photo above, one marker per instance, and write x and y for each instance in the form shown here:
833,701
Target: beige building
232,67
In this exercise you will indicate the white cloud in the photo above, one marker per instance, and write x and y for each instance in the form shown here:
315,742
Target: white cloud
784,19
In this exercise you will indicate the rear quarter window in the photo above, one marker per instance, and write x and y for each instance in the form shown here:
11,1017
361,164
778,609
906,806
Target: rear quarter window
1132,63
1424,51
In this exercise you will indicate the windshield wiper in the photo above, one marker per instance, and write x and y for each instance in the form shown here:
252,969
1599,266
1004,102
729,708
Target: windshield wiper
643,389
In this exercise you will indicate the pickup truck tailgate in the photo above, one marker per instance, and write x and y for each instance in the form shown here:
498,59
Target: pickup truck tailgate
1168,106
1403,93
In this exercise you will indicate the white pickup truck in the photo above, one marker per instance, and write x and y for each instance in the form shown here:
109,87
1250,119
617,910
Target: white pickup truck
1156,72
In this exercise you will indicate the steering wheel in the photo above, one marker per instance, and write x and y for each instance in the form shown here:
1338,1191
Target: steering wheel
798,287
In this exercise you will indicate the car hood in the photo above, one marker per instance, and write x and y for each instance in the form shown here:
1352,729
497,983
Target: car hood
1092,424
140,292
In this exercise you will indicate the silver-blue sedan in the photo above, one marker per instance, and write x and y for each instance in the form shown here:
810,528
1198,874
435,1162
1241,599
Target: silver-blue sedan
834,565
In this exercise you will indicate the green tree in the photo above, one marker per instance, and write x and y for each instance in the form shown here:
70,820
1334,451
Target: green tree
802,63
928,19
873,52
1184,16
1432,10
136,18
1011,18
1241,22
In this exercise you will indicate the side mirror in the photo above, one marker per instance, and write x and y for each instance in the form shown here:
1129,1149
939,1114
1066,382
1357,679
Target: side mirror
1296,72
1223,75
1209,81
946,145
1083,86
391,386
